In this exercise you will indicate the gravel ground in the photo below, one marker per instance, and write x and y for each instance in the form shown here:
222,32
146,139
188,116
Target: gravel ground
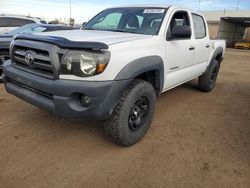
196,140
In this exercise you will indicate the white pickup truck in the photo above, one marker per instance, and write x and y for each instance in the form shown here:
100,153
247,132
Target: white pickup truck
114,67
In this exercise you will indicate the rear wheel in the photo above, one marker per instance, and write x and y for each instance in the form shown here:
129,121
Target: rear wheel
133,114
208,79
3,57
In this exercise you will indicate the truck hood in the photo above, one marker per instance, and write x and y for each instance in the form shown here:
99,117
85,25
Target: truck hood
107,37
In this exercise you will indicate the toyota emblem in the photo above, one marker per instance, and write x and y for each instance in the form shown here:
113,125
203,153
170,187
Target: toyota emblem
29,58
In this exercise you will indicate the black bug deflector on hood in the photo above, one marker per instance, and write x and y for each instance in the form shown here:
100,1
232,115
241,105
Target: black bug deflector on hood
62,42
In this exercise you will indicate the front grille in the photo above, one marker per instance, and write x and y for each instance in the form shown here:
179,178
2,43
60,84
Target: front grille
36,57
41,62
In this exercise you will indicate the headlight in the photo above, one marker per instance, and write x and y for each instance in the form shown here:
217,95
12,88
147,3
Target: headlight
85,63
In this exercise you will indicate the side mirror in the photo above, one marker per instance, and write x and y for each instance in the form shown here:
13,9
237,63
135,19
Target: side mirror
181,32
83,24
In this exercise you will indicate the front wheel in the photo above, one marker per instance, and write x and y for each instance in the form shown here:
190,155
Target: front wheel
133,114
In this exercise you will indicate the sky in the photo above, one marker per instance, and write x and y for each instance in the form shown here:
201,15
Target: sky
83,10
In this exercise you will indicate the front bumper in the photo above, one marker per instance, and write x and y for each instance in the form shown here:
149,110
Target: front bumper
62,97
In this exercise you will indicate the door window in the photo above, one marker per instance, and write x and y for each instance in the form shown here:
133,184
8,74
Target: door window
180,18
199,26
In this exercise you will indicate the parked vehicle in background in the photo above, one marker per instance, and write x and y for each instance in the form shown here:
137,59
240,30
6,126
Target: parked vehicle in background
243,44
115,67
5,39
10,22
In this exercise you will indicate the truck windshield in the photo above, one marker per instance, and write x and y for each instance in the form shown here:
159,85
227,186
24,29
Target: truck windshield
129,20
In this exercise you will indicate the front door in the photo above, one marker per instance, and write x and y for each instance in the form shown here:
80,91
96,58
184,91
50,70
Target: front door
179,52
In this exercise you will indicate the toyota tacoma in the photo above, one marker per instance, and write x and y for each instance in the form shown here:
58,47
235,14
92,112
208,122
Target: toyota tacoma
115,66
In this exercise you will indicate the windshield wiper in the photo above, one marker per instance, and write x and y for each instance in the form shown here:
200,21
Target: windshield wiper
103,30
88,29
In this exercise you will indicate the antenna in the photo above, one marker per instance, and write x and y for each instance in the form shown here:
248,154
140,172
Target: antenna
70,9
238,3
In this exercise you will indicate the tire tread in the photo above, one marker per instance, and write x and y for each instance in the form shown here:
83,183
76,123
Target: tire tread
111,126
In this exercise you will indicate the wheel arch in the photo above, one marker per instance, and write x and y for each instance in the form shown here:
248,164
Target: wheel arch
150,68
218,55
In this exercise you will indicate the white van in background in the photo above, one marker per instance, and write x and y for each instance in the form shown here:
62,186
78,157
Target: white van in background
10,22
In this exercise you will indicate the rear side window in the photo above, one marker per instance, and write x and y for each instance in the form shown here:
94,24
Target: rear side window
4,22
199,26
16,22
13,22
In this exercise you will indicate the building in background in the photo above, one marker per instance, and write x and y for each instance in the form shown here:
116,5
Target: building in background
231,25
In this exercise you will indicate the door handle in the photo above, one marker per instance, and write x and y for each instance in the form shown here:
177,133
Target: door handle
207,46
192,48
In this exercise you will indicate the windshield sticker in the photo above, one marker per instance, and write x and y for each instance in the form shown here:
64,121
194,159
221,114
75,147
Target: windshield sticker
154,11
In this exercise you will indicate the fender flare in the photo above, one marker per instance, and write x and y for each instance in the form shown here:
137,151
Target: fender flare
143,65
218,51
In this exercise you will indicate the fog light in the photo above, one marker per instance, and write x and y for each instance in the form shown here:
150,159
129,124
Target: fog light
86,100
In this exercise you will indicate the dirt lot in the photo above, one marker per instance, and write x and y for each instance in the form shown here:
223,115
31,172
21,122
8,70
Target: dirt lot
196,140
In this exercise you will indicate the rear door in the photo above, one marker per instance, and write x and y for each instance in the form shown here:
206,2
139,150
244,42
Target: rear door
202,41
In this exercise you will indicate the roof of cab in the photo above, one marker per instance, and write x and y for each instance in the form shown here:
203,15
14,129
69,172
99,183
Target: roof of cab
145,5
19,16
156,6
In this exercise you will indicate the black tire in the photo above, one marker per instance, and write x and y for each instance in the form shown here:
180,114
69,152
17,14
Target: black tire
133,114
3,57
208,79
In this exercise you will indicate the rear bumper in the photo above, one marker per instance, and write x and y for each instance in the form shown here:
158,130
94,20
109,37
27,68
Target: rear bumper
63,97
